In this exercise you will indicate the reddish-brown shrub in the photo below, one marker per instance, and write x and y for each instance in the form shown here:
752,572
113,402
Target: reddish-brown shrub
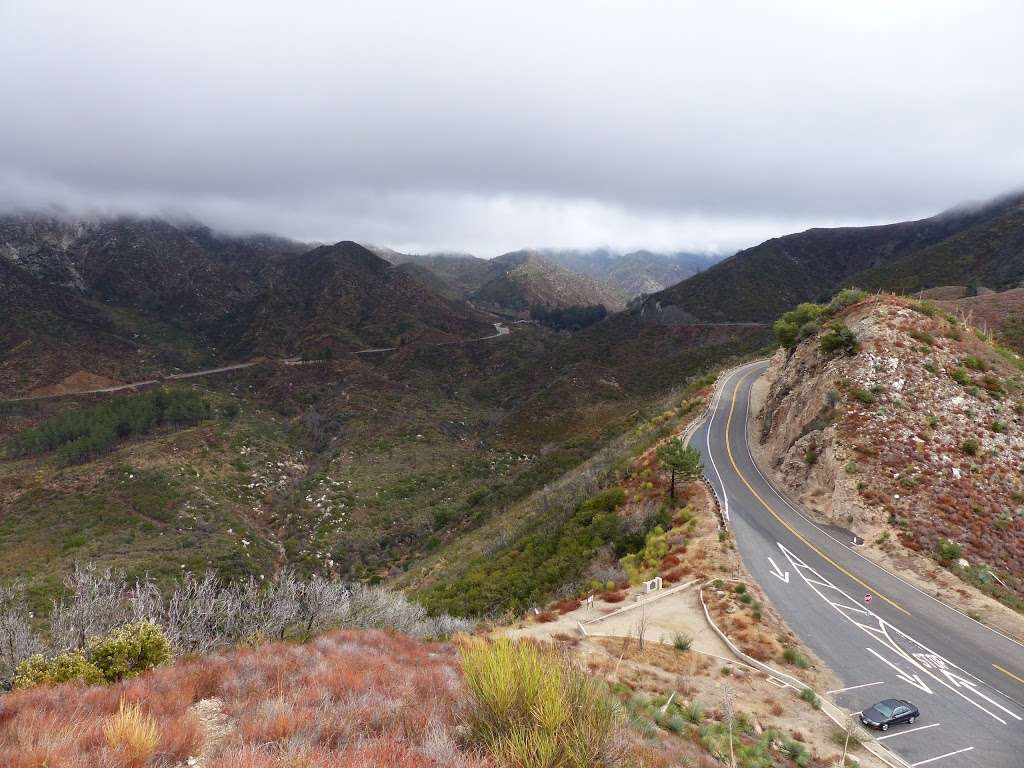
385,693
564,606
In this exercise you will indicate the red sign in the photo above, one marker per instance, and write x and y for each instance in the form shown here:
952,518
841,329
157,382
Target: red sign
867,598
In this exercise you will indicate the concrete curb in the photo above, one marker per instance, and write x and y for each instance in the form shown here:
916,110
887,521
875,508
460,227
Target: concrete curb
836,714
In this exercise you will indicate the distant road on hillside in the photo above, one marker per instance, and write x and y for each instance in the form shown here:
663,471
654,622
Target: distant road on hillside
501,330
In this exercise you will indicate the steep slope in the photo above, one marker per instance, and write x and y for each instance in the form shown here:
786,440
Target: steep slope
982,244
343,297
635,273
918,436
525,279
47,332
183,273
999,313
455,275
987,251
133,298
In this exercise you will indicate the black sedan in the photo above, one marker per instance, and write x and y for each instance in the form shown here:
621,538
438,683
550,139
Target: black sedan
889,712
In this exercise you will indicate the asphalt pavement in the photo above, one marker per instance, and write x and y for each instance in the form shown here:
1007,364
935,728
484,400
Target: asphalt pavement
883,637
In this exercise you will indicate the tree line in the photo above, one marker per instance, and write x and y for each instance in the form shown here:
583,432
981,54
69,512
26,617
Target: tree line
568,318
86,433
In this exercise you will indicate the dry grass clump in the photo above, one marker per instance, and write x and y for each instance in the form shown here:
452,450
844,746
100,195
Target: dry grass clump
132,733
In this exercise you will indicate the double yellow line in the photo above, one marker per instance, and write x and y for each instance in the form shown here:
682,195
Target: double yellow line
790,528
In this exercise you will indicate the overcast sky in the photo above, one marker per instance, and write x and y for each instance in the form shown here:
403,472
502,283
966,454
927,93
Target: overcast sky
483,127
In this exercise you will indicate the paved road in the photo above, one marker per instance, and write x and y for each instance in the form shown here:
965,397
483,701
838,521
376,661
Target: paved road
967,680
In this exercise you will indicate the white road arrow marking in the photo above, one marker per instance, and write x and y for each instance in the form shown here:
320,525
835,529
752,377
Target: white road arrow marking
914,680
781,575
930,664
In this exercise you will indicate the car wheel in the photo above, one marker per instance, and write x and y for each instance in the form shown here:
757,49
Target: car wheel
885,726
912,719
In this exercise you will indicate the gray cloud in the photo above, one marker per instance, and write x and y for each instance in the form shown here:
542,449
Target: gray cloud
473,126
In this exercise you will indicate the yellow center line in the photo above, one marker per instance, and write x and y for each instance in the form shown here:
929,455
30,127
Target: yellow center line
790,528
1008,673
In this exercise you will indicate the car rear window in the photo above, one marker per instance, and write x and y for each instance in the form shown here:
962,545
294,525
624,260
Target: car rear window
884,708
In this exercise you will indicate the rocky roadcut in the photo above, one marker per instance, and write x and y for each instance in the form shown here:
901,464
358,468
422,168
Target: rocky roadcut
916,436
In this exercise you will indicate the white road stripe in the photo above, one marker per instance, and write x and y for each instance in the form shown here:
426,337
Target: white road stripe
904,733
940,757
855,687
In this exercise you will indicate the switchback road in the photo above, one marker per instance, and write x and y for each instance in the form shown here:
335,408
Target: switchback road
967,679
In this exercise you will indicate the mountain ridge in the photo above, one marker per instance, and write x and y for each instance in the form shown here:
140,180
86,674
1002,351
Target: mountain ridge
759,283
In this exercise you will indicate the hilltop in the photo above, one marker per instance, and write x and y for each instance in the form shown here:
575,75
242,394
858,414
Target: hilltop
633,273
900,421
983,245
511,283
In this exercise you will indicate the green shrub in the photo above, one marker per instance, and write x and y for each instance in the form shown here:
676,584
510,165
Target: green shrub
811,456
810,697
970,446
124,652
38,670
926,308
129,651
644,564
999,426
865,396
839,338
529,708
851,468
960,376
975,363
793,656
845,298
948,551
798,324
681,641
694,712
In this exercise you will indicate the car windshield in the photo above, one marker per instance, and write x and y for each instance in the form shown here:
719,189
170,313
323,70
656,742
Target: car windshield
884,708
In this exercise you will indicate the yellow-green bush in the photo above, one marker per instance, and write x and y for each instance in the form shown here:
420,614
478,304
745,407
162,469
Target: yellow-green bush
37,670
644,564
129,651
126,651
531,708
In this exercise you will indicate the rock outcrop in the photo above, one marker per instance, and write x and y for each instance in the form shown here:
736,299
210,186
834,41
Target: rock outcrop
918,435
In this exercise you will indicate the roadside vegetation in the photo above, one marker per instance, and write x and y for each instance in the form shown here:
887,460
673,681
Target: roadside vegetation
807,320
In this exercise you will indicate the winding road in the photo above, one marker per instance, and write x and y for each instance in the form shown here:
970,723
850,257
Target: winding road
967,679
499,328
